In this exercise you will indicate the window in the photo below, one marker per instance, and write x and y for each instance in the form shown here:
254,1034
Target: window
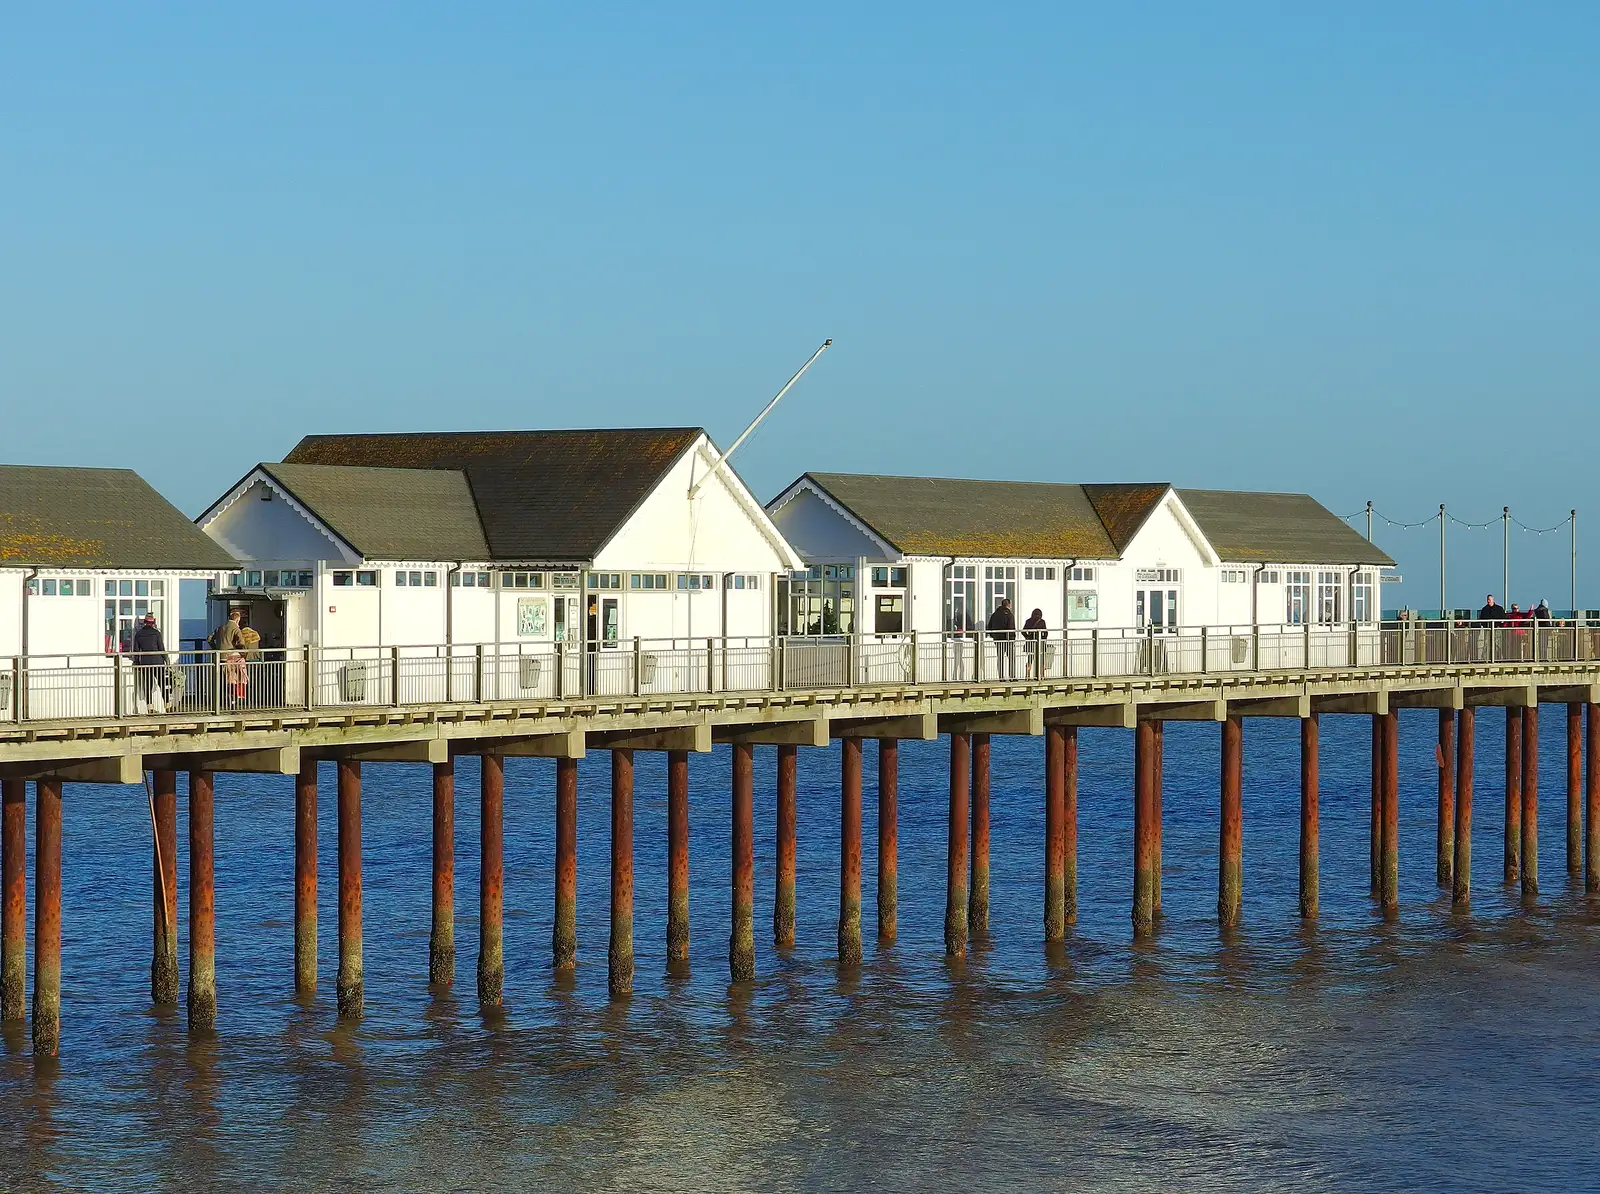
695,581
1268,578
470,580
1330,597
647,582
1082,574
368,579
50,587
124,588
1234,576
1296,597
605,580
820,600
520,580
961,597
123,616
1361,606
888,613
999,584
252,580
430,580
1083,605
343,580
1156,576
1038,573
889,578
742,580
415,580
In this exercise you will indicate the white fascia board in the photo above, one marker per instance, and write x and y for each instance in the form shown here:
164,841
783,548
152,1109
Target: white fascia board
806,485
1191,528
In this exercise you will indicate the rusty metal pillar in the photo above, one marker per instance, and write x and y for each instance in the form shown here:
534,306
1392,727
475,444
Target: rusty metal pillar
1389,891
442,933
1461,872
888,837
564,936
1158,734
783,896
1591,804
741,937
1069,828
677,858
47,917
1574,789
955,886
305,878
1055,838
1445,839
1375,838
850,852
1530,801
1143,830
349,987
491,879
1230,839
1310,819
619,955
164,890
14,910
1513,859
978,883
202,903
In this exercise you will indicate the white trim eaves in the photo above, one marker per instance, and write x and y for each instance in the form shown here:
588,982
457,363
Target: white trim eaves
1191,528
260,474
827,499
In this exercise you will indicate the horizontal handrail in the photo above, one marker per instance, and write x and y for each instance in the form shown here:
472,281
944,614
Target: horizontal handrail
109,686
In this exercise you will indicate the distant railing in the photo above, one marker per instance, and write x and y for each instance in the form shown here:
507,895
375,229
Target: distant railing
100,687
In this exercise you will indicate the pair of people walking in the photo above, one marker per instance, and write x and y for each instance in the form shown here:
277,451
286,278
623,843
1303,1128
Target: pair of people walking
1002,628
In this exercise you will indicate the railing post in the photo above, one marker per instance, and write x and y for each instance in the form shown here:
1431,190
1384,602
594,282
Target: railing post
1534,635
711,665
1305,654
977,654
1094,652
777,663
852,657
394,675
1353,644
638,666
1205,657
561,671
724,669
1150,651
17,686
309,666
117,704
913,657
217,676
1255,647
477,674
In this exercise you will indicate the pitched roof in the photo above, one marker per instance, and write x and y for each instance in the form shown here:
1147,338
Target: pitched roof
540,495
96,518
940,516
1277,528
1123,509
390,513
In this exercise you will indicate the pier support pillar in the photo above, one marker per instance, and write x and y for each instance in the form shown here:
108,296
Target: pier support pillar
1310,819
1591,804
1513,857
1375,839
1158,734
564,936
1389,890
1461,872
1230,842
1055,852
783,896
1069,828
888,837
491,879
955,886
619,954
1445,839
978,884
47,917
164,890
1143,829
741,936
1574,789
305,878
850,852
677,858
442,933
349,987
14,893
1530,801
202,903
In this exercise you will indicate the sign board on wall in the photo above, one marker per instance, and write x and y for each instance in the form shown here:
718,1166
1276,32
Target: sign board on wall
533,616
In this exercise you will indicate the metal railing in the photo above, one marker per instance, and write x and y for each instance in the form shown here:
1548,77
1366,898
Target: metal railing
101,687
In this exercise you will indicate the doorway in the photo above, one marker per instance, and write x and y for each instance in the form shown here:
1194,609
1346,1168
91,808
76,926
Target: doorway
1156,609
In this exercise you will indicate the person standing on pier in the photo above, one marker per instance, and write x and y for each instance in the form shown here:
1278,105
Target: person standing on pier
1003,629
1492,610
149,666
1034,631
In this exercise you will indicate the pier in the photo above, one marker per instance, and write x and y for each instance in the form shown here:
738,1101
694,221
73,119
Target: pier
299,708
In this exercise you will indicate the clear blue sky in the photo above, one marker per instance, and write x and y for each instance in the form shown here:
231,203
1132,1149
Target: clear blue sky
1349,249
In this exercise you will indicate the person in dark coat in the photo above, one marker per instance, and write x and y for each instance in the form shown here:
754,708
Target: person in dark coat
1034,630
1003,629
1492,610
149,667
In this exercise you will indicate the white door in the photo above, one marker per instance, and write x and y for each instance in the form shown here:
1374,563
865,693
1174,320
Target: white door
1156,609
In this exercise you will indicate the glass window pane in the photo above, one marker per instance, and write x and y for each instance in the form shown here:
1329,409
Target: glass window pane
141,588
